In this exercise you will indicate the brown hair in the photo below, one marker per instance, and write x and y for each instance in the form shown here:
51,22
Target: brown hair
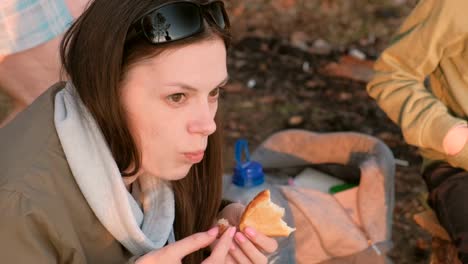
95,57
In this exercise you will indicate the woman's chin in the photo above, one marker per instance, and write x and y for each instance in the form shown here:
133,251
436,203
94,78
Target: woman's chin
170,174
178,174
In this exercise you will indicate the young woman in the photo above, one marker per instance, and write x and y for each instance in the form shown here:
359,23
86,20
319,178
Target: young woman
122,164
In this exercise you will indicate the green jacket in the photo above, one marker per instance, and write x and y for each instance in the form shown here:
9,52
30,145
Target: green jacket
433,41
44,218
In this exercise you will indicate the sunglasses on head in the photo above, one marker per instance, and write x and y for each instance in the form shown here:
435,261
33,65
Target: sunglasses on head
178,20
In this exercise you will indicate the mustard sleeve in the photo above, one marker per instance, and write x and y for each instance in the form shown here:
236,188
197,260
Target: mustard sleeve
398,85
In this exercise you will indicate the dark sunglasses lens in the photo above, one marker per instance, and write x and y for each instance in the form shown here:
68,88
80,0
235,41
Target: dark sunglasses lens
172,22
218,14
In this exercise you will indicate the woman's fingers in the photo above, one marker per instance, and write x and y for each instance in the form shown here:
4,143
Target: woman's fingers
268,244
238,254
221,249
250,250
192,243
230,260
175,252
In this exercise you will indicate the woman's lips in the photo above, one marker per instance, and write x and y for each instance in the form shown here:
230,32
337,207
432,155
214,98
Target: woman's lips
194,157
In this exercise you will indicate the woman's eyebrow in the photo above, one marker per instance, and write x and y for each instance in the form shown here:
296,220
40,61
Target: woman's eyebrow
191,88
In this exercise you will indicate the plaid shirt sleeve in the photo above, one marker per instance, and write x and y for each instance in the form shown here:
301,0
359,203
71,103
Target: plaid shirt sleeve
27,23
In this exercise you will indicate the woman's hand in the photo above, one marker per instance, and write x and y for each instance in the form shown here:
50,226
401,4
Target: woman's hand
250,246
175,252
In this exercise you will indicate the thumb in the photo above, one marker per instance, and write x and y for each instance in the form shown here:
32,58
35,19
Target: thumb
232,213
192,243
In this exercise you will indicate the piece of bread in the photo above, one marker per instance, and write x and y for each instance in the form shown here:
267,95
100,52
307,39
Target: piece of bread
265,216
223,225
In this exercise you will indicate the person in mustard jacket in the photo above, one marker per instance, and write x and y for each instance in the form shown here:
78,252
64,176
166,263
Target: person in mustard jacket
30,34
123,163
421,83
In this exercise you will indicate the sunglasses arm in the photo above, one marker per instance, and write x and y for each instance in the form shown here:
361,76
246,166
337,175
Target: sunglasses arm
133,32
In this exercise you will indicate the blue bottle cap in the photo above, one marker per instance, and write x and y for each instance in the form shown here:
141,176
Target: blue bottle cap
246,173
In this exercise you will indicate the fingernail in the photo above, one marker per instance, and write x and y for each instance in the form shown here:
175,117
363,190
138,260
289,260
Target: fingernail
250,231
241,238
213,231
232,231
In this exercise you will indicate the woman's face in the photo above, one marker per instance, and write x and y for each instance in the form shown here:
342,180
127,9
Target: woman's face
171,101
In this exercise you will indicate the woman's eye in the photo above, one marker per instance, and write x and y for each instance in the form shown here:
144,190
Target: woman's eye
176,98
215,92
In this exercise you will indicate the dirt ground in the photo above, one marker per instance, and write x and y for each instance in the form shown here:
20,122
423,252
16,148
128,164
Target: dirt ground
277,64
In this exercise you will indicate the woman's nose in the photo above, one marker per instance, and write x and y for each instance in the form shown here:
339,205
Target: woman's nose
204,123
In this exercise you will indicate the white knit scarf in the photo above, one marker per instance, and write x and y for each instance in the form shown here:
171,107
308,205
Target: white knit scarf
140,230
